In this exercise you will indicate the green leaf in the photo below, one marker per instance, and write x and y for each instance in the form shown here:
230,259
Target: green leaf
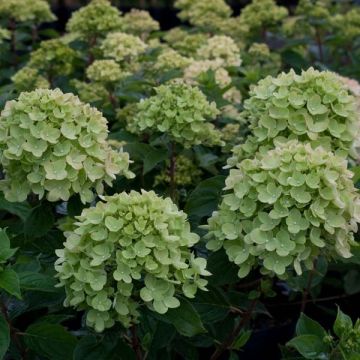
205,198
9,281
36,281
356,171
4,336
50,340
343,324
307,326
352,282
109,347
39,221
21,210
152,158
223,271
241,340
309,346
185,319
5,251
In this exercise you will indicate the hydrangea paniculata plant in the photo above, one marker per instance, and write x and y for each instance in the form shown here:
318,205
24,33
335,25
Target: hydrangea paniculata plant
53,145
129,249
285,208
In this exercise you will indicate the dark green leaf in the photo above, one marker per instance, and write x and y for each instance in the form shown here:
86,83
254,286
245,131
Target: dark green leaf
91,347
309,346
307,326
50,340
4,336
36,281
39,221
9,281
352,282
343,324
22,210
185,319
241,340
5,251
205,198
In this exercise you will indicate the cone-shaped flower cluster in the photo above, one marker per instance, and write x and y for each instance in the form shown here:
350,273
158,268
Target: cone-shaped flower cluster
285,208
130,249
181,111
52,144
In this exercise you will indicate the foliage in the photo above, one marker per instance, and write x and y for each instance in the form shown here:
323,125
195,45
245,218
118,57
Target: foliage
314,342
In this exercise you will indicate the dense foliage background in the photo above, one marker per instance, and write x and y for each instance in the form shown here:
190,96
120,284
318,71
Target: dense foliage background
179,190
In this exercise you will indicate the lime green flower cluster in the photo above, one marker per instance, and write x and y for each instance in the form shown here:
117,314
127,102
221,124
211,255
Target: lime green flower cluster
285,208
347,26
184,42
221,47
260,62
311,16
93,92
186,173
35,11
130,249
181,111
139,23
314,107
205,14
105,71
199,67
121,46
4,35
95,20
54,58
28,79
261,15
52,144
170,59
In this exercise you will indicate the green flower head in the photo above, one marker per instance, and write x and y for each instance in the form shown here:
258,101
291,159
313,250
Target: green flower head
182,112
170,59
221,47
53,144
205,14
130,249
95,20
121,46
53,57
105,71
314,107
28,79
283,209
35,11
261,15
139,23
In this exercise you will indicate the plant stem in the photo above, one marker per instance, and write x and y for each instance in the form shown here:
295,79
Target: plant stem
12,27
306,292
230,340
135,343
13,332
172,171
319,44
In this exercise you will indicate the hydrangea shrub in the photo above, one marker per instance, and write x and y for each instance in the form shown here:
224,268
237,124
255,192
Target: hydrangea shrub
182,112
139,23
314,107
221,47
128,250
283,209
53,145
95,20
121,46
105,71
